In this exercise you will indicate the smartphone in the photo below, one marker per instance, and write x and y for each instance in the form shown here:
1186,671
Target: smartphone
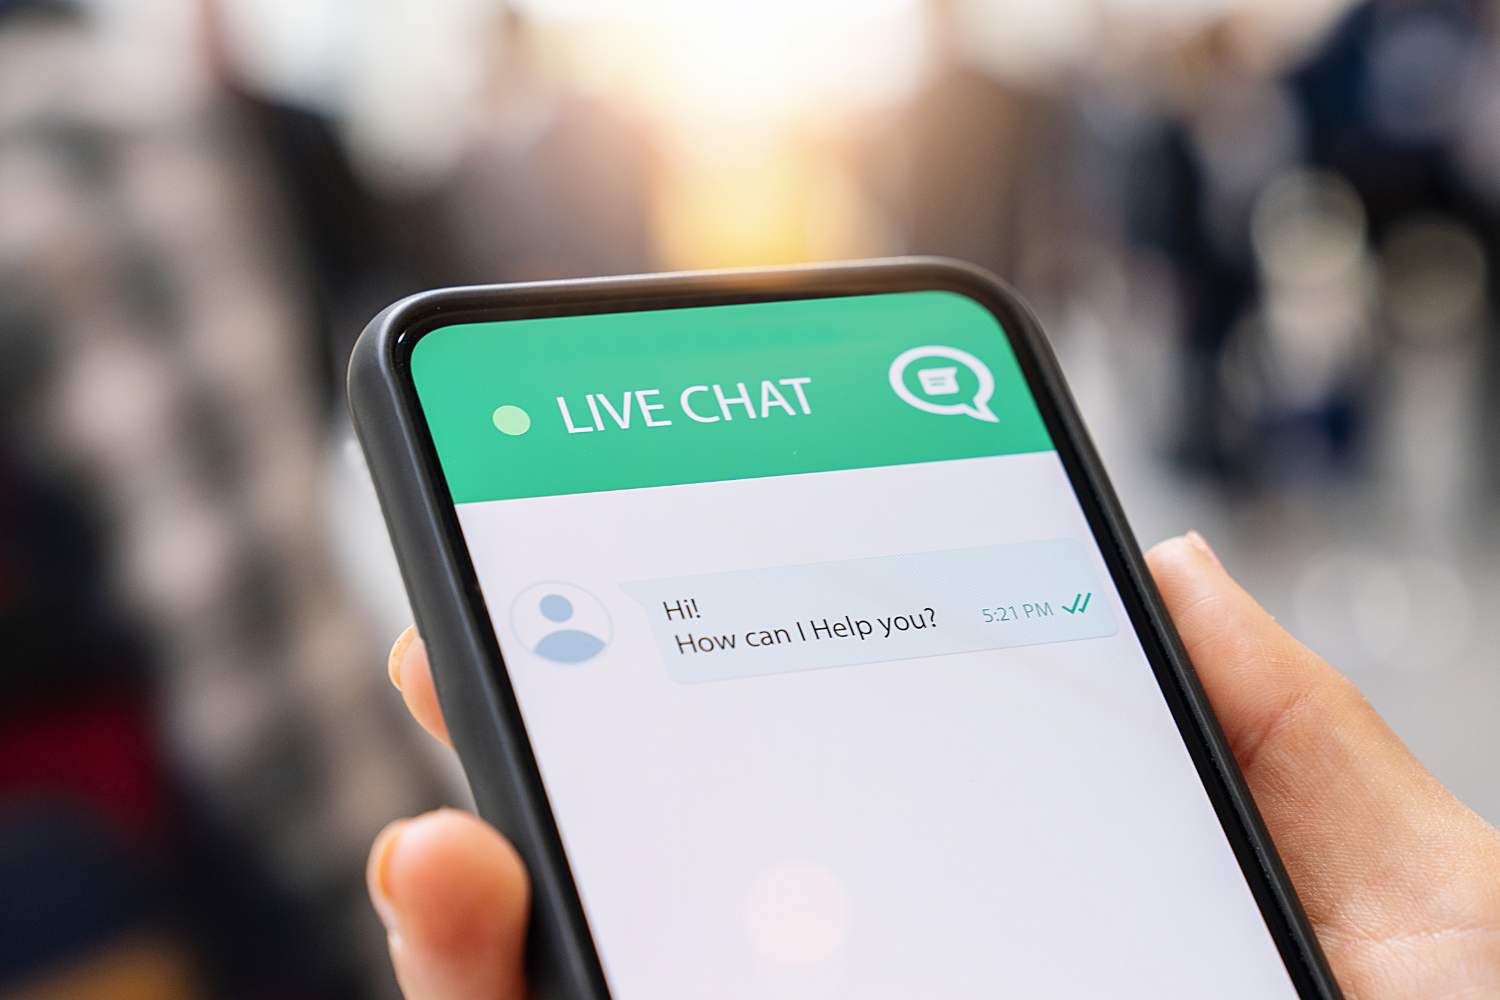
786,622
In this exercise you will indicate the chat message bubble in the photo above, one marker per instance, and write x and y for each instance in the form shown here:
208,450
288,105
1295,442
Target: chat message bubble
768,621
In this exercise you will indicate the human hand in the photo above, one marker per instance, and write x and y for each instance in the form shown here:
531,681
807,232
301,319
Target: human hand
452,893
1400,880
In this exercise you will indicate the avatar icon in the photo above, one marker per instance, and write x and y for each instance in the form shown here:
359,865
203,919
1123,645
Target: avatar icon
560,622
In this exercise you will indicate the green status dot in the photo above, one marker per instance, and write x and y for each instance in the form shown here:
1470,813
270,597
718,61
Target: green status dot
512,420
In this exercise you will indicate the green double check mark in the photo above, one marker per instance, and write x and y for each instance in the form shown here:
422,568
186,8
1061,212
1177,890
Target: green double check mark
1079,604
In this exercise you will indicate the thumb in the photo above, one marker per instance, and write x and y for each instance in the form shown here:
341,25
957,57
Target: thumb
1401,880
454,896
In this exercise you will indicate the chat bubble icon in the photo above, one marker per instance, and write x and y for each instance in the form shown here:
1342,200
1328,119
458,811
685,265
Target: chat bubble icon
941,381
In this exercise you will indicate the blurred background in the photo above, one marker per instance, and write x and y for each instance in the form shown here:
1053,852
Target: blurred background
1263,235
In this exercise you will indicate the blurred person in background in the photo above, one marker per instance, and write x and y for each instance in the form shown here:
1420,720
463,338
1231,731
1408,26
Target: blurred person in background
1402,102
973,166
541,183
191,749
1230,129
551,184
1288,200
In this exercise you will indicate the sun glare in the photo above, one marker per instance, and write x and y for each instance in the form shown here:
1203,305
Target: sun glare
750,103
771,60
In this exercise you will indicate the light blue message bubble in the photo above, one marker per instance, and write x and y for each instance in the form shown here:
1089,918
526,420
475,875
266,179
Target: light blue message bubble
768,621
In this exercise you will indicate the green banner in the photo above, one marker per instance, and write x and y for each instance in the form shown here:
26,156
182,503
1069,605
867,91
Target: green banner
618,401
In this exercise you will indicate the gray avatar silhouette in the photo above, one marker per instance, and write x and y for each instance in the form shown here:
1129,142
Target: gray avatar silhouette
565,645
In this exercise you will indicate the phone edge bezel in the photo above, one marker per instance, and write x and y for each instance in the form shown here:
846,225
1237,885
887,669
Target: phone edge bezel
484,718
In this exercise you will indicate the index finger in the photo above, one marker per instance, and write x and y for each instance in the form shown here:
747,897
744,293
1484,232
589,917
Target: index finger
412,674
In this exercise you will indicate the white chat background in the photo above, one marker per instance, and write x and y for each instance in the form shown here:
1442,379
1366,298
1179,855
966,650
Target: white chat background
1014,822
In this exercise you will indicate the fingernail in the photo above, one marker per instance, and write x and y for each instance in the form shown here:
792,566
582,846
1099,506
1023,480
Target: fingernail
398,653
380,891
1200,543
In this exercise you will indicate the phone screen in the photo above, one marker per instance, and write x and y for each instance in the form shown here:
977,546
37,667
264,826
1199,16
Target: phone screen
830,690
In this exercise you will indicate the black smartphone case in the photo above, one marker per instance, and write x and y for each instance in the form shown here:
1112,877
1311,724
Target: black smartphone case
474,689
